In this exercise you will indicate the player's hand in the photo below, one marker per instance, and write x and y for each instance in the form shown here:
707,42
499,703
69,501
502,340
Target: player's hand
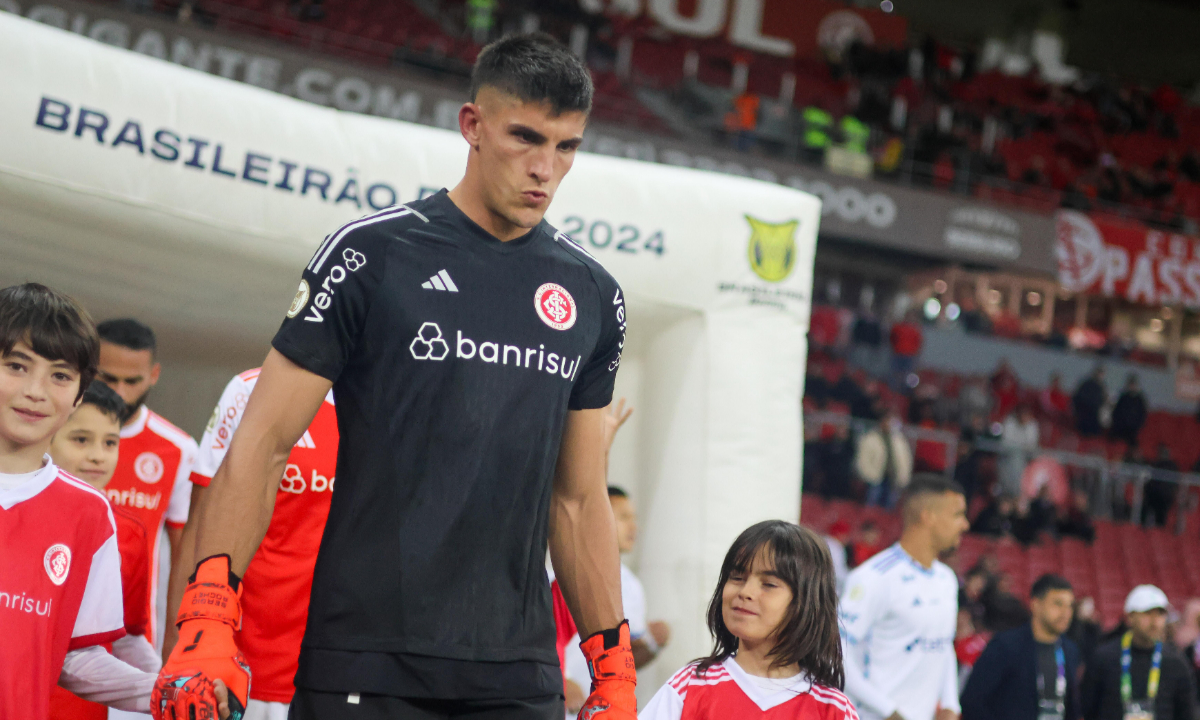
945,715
661,632
206,676
896,716
610,662
615,416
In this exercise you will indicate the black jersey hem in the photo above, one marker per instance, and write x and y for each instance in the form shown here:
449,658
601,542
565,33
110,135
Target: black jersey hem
419,676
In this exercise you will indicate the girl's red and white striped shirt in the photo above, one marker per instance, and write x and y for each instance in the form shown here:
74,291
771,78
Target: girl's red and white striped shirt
725,690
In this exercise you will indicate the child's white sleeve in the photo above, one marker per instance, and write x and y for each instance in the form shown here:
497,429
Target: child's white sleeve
665,705
93,674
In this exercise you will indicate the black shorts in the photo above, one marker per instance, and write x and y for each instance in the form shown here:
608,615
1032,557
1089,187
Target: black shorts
312,705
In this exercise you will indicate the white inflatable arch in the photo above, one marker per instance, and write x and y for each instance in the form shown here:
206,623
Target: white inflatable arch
194,202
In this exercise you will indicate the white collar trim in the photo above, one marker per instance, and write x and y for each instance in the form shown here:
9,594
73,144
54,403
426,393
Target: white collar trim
38,481
138,425
800,685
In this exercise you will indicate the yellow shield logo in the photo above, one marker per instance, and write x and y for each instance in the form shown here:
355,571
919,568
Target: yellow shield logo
772,248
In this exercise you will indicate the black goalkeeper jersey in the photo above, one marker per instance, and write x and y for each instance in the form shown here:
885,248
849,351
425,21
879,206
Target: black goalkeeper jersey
455,358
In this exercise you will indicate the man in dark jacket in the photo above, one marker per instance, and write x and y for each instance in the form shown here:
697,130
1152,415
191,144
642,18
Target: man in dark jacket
1129,414
1029,672
1117,684
1089,398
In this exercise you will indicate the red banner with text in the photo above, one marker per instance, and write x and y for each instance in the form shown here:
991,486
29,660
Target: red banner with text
1127,260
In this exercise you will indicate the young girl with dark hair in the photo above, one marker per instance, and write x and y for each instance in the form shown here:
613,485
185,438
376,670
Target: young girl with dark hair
777,653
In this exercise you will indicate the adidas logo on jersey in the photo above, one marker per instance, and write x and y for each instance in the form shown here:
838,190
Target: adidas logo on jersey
441,281
306,442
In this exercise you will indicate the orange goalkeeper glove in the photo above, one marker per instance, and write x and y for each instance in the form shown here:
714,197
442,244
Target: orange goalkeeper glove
208,616
610,662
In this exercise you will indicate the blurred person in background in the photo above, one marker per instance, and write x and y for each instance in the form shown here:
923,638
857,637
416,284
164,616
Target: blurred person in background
1019,442
1055,402
1076,521
884,461
866,545
1088,401
1139,676
1002,609
1036,516
1006,389
1187,637
900,610
836,539
1030,671
1084,630
997,517
974,401
906,340
835,455
1159,495
152,479
1129,414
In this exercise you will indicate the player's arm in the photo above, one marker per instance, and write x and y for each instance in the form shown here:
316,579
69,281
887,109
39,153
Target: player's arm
858,611
583,548
181,567
229,521
948,705
233,516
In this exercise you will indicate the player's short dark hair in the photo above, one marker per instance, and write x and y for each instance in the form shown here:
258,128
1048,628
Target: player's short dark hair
614,491
809,634
128,333
535,68
1048,582
921,487
54,325
106,400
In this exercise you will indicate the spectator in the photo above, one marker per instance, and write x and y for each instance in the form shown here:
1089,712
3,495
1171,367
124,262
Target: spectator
1055,402
906,340
1089,398
969,643
974,401
1117,683
970,595
1005,389
1030,671
1129,414
835,454
996,518
1002,609
868,543
836,539
973,318
1077,521
1159,495
1187,636
1019,442
1084,630
868,404
966,465
1036,516
884,461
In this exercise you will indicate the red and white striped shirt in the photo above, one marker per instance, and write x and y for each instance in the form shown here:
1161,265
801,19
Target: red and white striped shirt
725,691
60,583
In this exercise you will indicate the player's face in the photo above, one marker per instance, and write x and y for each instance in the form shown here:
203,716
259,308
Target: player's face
87,446
1054,611
755,602
524,151
948,515
626,517
37,396
131,373
1148,627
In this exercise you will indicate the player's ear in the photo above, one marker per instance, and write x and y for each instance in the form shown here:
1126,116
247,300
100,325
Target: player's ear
470,117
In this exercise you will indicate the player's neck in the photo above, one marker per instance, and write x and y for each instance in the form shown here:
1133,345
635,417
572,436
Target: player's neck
755,659
21,459
133,416
467,198
918,547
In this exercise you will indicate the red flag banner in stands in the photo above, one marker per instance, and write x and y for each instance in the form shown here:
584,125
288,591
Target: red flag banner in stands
1127,260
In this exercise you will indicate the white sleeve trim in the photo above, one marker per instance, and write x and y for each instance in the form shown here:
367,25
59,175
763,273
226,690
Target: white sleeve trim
102,608
665,705
137,651
93,674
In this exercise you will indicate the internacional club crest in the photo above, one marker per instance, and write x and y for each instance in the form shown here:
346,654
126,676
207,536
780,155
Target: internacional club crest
555,306
772,248
148,467
57,562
